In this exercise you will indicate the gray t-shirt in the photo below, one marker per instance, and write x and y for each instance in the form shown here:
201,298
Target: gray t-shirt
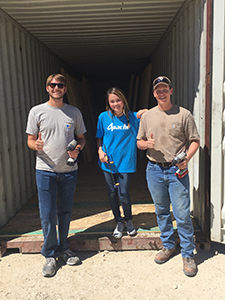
172,130
58,127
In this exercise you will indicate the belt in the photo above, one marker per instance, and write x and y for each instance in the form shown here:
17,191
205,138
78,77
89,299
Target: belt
162,164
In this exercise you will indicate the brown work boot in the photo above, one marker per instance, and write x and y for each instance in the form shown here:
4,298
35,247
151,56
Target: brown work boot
163,255
189,266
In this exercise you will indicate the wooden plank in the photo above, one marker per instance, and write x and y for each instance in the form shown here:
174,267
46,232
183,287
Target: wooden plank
78,95
131,92
135,98
145,83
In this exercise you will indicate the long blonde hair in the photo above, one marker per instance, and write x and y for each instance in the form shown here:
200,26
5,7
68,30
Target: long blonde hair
119,93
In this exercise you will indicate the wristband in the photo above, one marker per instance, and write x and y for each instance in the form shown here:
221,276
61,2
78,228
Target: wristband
78,148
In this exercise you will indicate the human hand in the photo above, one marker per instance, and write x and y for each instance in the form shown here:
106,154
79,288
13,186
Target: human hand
39,144
102,156
150,142
74,153
182,164
140,112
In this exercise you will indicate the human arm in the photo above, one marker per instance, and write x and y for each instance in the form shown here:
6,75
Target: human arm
140,112
80,145
146,144
35,142
190,153
101,153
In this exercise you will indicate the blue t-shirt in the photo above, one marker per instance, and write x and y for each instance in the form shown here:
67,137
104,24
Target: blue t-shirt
119,141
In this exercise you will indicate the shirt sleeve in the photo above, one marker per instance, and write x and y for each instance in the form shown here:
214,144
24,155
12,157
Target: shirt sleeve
191,131
141,131
100,129
32,124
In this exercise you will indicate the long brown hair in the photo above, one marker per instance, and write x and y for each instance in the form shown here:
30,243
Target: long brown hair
120,94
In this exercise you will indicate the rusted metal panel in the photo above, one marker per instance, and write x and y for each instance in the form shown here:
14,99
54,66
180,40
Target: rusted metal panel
206,207
87,243
23,244
143,241
139,242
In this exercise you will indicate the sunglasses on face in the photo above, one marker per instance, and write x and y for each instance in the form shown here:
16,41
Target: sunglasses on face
60,85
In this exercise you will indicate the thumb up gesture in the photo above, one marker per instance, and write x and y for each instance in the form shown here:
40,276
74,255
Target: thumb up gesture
39,144
151,142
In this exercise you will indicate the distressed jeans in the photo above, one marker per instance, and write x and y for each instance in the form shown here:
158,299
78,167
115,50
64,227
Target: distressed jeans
166,188
55,195
121,192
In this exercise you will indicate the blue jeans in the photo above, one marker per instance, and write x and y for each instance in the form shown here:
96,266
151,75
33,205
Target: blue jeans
122,191
55,209
164,188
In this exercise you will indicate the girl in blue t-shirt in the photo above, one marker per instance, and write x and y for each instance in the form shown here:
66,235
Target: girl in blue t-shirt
117,129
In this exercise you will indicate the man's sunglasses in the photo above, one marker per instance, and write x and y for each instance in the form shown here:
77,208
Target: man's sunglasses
162,79
60,85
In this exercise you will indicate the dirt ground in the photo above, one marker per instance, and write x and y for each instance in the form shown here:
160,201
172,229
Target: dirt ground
124,275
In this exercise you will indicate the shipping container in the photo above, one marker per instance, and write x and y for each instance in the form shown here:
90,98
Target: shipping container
99,44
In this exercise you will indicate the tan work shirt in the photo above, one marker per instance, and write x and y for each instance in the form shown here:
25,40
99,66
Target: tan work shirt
172,130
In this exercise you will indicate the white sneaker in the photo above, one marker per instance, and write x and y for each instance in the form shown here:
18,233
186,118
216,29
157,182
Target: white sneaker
130,228
118,231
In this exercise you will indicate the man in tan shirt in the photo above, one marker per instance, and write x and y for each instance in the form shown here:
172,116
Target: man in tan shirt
166,131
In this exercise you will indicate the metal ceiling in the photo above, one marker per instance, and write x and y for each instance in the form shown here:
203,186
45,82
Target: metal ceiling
97,37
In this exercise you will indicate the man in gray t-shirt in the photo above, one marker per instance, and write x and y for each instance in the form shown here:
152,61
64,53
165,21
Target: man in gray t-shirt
166,131
51,126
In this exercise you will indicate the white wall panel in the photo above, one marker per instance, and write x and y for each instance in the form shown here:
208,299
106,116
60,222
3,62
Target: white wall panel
24,66
217,124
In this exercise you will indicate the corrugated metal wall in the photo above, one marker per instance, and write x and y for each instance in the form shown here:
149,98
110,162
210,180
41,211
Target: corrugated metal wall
24,66
92,34
181,55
